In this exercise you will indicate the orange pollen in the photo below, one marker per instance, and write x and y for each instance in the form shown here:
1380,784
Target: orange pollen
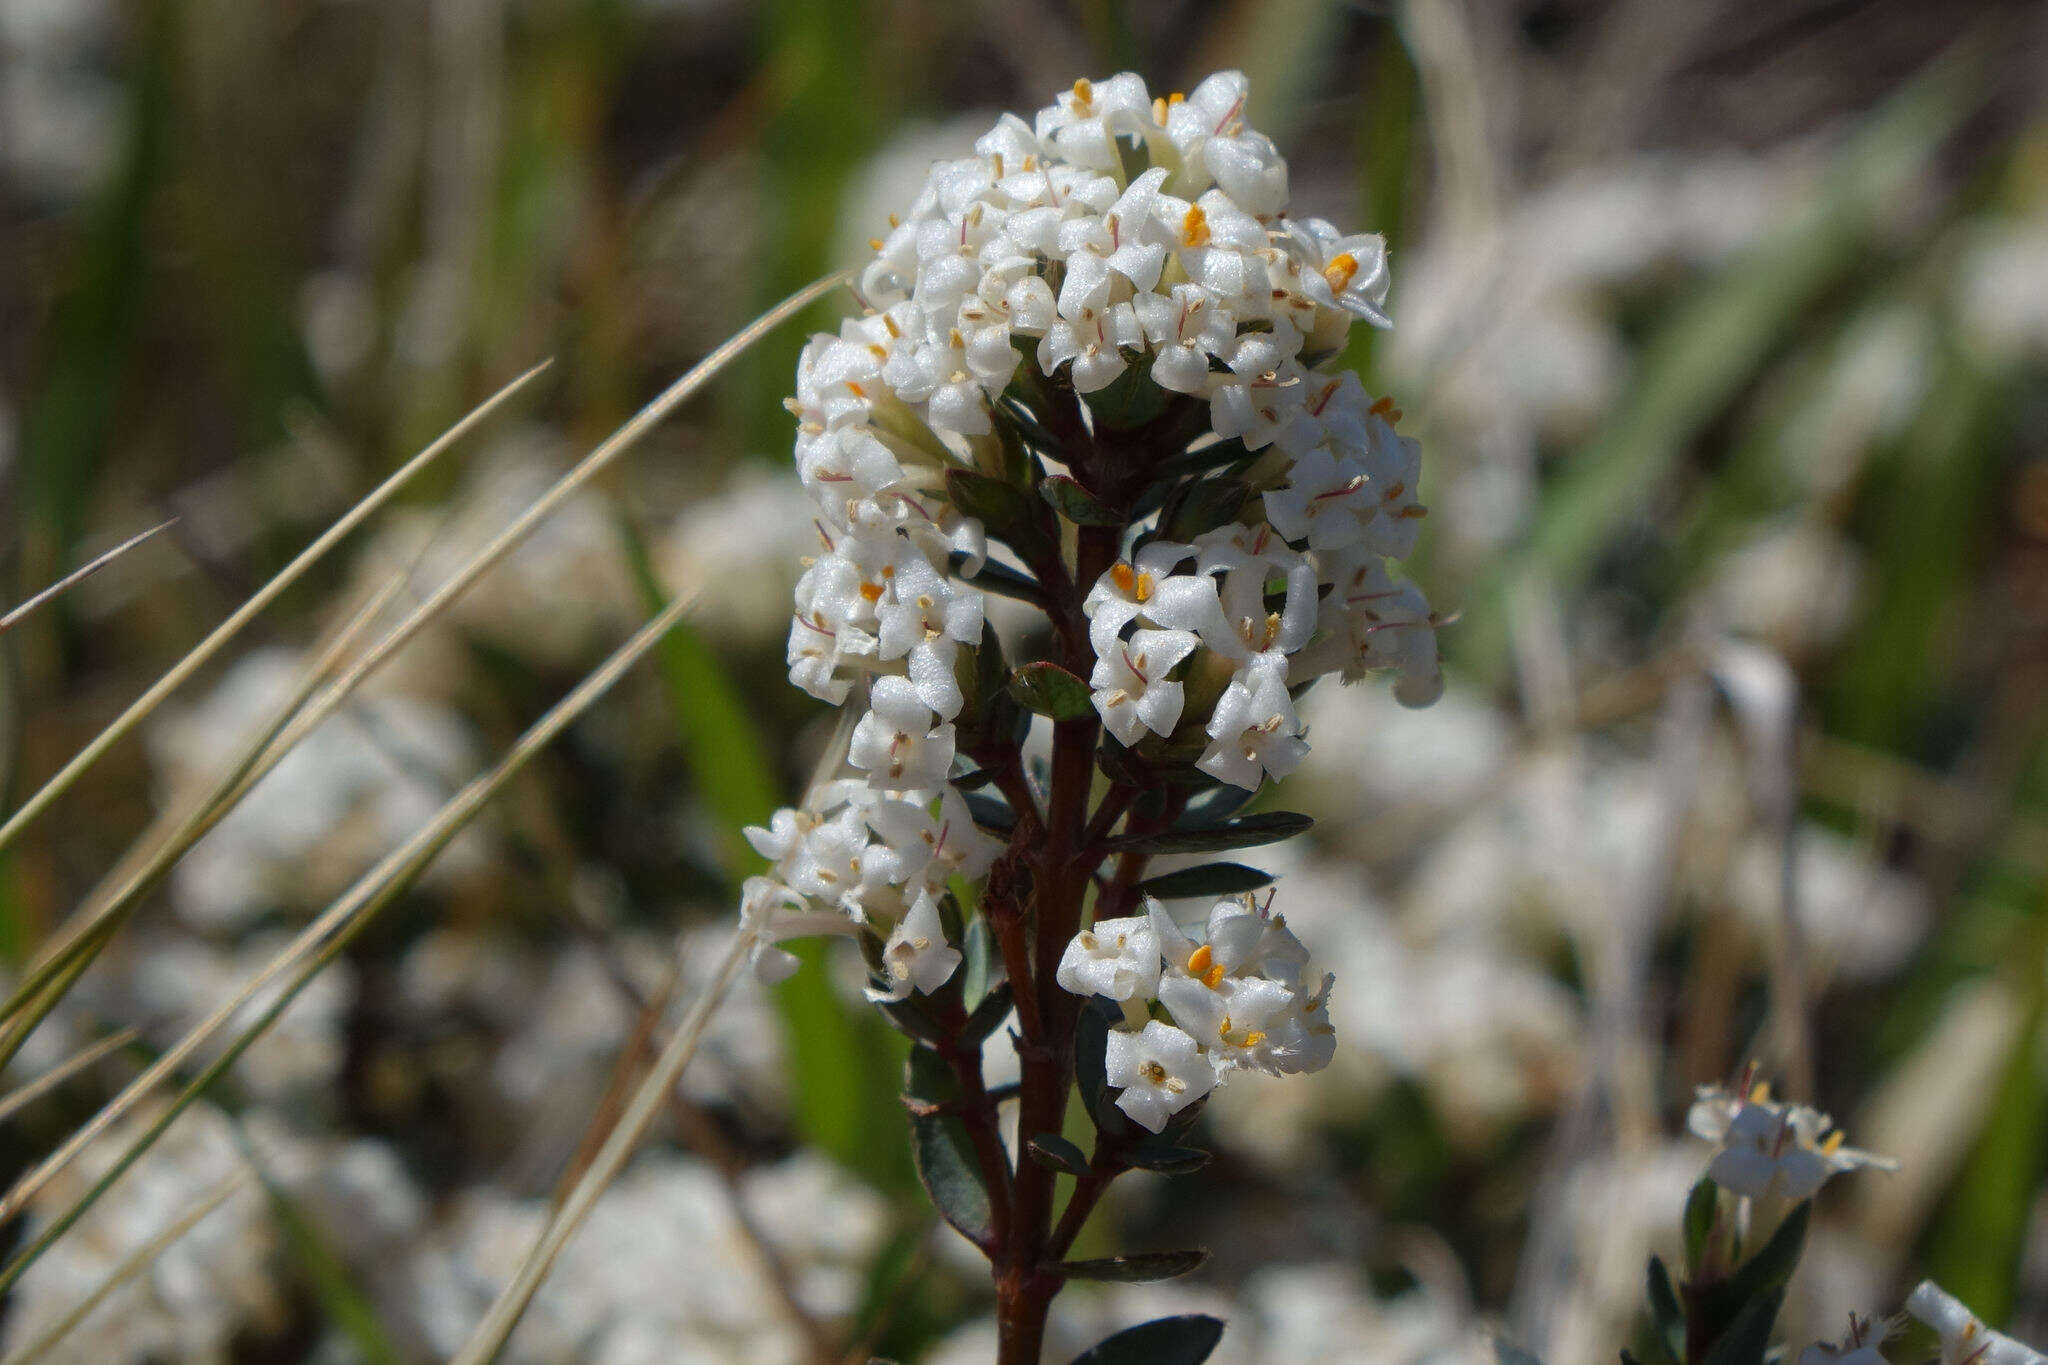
856,390
1083,92
1176,98
881,351
1254,1038
1200,960
1194,228
959,342
1762,1093
1213,978
1143,592
1123,576
894,221
1385,408
1341,268
1833,1143
871,591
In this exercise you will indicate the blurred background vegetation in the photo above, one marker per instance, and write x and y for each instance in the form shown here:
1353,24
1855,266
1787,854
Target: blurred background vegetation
1725,325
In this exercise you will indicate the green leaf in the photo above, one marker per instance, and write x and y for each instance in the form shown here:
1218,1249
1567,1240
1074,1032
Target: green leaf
1242,831
1166,1159
1664,1310
1077,504
1209,879
1141,1267
1050,690
1184,1340
1004,510
941,1150
1202,506
1055,1153
1749,1337
1000,580
1766,1272
1701,1206
988,1016
1131,399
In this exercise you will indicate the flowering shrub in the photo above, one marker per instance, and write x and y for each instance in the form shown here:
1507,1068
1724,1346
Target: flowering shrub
1094,374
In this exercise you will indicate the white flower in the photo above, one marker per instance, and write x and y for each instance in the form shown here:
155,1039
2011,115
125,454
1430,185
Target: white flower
1185,329
1132,692
1081,122
1231,1019
1964,1339
1127,590
1772,1150
1859,1347
774,913
1117,958
920,847
916,957
900,743
1092,337
1254,732
1160,1072
1321,502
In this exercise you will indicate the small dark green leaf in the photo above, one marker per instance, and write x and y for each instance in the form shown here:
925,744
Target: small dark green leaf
1184,1340
927,1079
1209,879
979,962
945,1163
1077,504
1055,1153
988,1016
1131,399
911,1016
1002,508
1720,1305
1240,831
1749,1336
990,812
1166,1159
1664,1310
1050,690
1208,808
1139,1268
1701,1205
1201,507
1000,580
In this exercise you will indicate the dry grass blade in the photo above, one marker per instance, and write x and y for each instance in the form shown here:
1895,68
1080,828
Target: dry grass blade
613,446
314,947
78,941
137,1262
77,576
496,1328
142,706
65,1070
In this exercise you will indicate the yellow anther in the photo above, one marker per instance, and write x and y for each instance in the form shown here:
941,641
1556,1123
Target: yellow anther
1084,93
1176,98
958,342
999,165
1143,591
1159,112
1339,271
1762,1093
894,221
1153,1072
874,244
1123,576
1385,408
889,324
856,390
1254,1039
1194,228
1213,978
1833,1143
881,351
871,591
1200,960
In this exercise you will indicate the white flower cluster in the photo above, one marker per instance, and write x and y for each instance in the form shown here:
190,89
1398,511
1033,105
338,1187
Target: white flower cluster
875,853
1965,1340
1045,241
1770,1149
1243,998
